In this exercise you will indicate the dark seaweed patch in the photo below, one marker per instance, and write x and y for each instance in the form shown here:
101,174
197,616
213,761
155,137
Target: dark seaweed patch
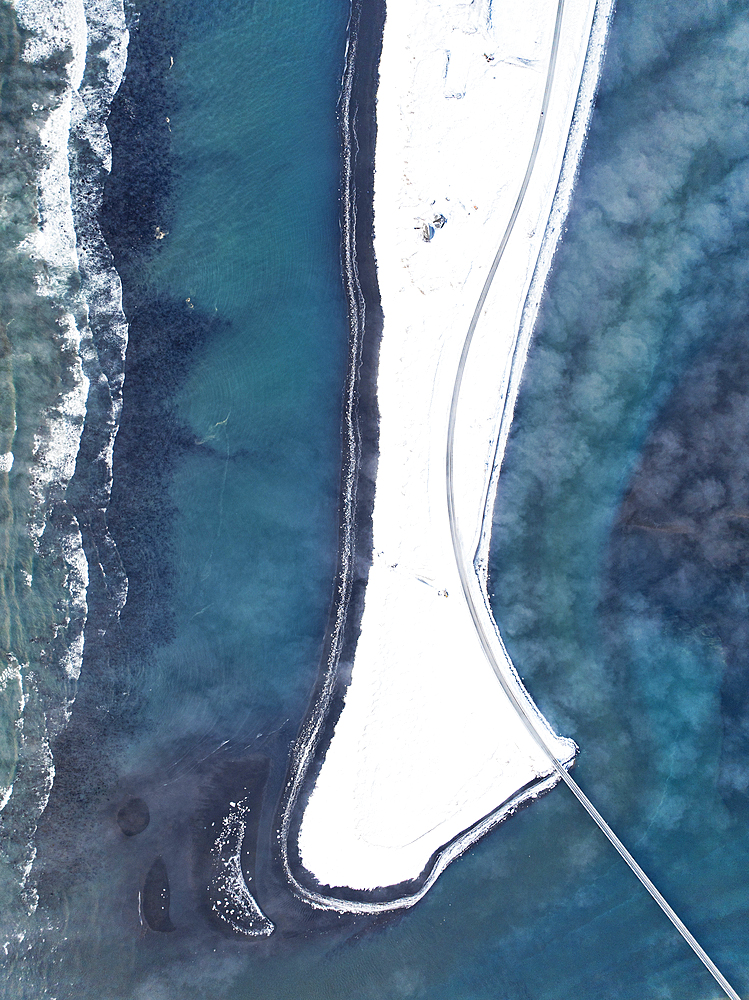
164,336
136,197
133,817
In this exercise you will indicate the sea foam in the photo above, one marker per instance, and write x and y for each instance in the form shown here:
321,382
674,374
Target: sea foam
83,45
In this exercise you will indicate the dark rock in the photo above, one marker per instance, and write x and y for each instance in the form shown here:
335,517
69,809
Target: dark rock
155,898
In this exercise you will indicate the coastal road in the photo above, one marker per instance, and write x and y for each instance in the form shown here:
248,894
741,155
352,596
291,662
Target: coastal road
476,598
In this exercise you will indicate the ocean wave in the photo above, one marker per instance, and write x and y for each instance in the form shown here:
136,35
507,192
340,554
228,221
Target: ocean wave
65,297
104,346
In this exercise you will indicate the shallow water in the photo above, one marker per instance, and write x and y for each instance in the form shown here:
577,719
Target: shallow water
224,512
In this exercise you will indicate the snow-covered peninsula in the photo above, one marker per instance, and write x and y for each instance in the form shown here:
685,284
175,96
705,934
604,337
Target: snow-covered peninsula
482,109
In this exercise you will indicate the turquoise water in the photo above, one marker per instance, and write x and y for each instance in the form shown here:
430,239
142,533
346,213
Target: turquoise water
253,240
225,514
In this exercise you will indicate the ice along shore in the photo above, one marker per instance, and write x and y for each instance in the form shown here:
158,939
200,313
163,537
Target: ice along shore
412,750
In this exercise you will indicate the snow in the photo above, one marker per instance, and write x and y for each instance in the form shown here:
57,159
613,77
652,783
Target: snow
429,752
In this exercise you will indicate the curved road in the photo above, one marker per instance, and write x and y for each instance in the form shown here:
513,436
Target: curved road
483,623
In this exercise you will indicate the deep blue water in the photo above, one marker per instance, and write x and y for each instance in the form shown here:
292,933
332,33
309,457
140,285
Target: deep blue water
225,514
